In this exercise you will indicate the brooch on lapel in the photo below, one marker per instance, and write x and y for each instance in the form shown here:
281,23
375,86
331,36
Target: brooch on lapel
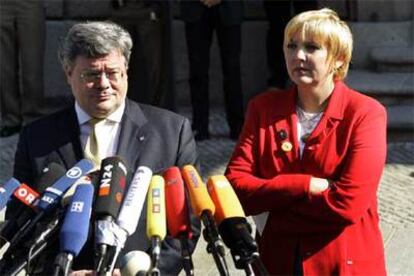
286,145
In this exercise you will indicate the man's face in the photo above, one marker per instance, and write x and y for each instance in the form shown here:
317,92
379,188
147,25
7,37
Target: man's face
99,85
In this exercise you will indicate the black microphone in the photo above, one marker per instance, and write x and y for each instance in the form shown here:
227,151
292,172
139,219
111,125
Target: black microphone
46,230
29,198
112,181
50,199
24,209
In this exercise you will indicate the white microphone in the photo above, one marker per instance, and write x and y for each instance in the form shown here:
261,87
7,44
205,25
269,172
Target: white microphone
134,200
131,209
135,263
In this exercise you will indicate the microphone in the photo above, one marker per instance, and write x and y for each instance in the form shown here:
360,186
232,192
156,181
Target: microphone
233,226
26,195
29,198
48,229
134,200
51,197
75,227
20,215
201,202
204,208
112,181
6,190
135,263
156,219
178,221
131,209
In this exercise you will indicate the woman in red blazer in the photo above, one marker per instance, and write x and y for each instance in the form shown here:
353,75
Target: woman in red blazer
309,160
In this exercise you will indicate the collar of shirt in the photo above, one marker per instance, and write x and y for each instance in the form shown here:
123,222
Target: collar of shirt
84,117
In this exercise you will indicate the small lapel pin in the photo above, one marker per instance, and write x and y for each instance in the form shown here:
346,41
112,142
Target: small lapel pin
141,138
282,134
286,146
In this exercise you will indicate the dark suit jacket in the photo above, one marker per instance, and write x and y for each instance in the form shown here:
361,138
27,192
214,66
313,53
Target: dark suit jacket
149,136
230,11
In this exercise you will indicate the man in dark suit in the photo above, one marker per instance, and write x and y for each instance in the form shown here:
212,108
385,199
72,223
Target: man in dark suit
201,19
95,59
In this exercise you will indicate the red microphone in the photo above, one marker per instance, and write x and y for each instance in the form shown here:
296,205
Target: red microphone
178,221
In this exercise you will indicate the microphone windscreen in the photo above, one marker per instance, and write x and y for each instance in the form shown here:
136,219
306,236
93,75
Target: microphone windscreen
178,221
156,219
53,194
224,198
134,200
112,181
75,227
6,190
135,262
199,197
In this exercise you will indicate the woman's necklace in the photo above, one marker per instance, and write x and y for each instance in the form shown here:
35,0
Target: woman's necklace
308,122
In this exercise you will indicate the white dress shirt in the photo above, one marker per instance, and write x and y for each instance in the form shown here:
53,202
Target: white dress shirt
108,132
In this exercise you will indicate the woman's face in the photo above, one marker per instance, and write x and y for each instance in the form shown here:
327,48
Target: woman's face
307,62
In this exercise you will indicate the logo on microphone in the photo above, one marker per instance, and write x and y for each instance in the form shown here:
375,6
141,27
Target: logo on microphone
76,207
194,179
156,208
222,184
105,185
25,194
74,172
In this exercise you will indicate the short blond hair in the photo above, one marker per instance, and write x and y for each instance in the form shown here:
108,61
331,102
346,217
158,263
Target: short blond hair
326,28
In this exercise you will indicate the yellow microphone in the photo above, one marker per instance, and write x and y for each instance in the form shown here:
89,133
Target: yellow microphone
156,219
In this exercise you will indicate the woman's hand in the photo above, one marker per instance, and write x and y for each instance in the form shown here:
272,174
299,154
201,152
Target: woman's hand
318,185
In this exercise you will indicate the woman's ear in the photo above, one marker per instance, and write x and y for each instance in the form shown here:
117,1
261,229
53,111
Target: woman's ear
338,63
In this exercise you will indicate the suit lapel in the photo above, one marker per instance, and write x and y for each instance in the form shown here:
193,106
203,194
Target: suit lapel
285,120
67,140
331,118
133,136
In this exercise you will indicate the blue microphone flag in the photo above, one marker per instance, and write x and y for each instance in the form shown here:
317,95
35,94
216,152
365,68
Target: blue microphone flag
52,194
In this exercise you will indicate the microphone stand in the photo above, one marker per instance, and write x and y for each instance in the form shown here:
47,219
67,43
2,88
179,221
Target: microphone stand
62,264
186,256
20,265
243,248
214,244
155,256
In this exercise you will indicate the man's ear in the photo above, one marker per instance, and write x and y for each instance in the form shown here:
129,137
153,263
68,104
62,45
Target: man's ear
68,73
